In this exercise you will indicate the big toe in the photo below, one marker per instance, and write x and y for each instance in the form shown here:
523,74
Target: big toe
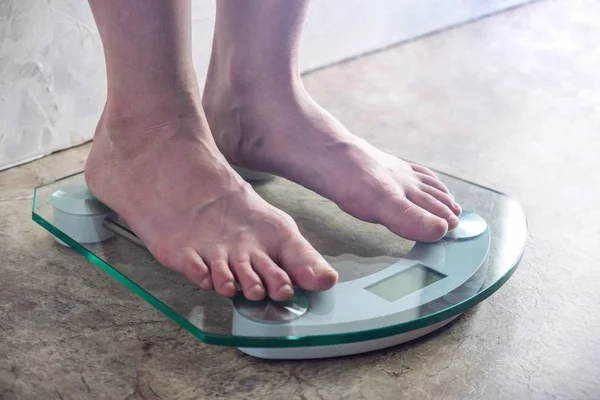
435,204
305,266
412,222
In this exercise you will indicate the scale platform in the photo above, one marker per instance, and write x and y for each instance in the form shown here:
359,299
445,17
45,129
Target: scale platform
390,290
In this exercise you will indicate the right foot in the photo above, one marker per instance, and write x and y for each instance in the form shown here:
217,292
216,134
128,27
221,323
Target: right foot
161,171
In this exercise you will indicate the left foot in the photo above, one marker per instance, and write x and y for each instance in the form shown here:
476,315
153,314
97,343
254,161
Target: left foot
277,127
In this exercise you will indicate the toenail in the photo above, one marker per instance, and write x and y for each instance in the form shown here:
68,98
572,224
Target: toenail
320,268
205,282
286,290
429,222
256,289
229,286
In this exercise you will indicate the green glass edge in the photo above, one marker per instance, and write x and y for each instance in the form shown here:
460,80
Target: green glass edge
279,342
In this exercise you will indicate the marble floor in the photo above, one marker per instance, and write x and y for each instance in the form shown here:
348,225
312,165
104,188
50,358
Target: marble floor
511,102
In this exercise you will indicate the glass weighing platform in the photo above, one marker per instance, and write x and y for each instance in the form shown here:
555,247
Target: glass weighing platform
390,290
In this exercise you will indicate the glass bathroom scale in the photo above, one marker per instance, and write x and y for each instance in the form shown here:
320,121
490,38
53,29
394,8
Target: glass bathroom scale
390,290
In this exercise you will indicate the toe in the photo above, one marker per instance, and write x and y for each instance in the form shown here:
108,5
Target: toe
307,268
193,267
412,222
423,170
433,182
249,281
433,205
442,197
222,277
277,281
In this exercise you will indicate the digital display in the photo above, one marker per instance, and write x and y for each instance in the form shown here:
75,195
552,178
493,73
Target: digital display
405,282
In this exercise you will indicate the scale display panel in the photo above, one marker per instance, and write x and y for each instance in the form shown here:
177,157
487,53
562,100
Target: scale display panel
403,283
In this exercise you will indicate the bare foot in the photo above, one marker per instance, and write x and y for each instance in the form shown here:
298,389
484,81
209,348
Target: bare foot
273,125
159,168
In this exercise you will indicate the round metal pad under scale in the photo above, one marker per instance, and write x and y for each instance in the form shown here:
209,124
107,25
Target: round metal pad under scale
79,215
271,311
78,200
470,225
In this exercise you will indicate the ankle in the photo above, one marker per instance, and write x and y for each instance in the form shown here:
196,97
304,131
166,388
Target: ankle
130,129
130,114
153,106
249,78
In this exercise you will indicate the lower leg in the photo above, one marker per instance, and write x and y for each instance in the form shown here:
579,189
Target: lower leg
156,164
147,49
262,118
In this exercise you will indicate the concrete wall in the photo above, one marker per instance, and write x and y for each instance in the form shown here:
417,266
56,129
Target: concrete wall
52,82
